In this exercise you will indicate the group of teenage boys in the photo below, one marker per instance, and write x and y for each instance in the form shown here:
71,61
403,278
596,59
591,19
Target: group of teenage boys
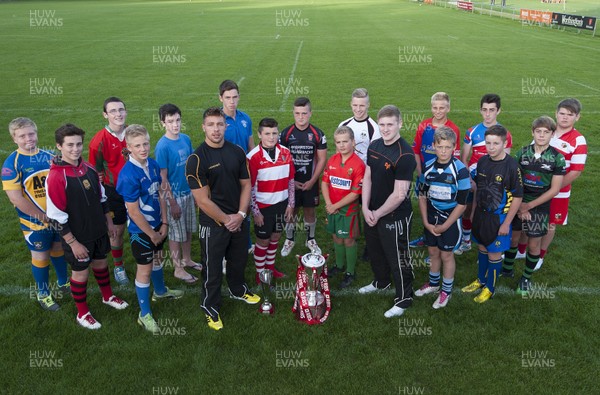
511,206
67,204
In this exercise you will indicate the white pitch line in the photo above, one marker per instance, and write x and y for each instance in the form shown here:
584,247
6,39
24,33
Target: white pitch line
240,81
288,290
584,85
502,290
455,38
287,90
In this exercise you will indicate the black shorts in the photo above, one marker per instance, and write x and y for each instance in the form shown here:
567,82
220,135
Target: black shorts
97,250
537,226
274,221
142,248
448,240
308,198
116,205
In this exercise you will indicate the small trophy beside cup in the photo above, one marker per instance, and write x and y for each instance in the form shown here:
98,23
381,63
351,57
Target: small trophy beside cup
266,307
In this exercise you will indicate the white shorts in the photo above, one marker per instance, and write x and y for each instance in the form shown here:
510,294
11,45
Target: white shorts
187,223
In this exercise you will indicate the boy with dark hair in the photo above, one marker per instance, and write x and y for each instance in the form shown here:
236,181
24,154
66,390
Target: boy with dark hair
444,186
572,145
474,148
388,211
498,196
141,186
239,125
23,175
543,169
77,204
108,154
341,186
238,128
172,151
308,146
217,173
272,179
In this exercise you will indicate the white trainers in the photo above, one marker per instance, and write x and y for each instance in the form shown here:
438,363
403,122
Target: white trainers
464,247
89,322
313,246
367,289
287,247
116,302
539,265
521,256
426,289
394,312
370,288
442,300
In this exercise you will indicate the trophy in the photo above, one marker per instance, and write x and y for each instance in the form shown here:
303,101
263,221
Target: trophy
312,303
316,301
266,276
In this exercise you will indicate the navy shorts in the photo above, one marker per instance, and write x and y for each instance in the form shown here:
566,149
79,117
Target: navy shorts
142,248
448,240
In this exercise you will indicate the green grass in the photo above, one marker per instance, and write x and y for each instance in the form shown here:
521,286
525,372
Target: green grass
106,48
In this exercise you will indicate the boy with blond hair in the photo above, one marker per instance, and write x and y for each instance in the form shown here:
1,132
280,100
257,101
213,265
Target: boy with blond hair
23,174
424,139
341,186
140,184
444,187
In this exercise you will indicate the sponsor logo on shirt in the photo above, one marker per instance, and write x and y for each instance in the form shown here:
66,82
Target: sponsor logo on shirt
340,183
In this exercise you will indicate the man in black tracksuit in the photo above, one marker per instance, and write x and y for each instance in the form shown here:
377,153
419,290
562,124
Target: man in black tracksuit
388,211
218,175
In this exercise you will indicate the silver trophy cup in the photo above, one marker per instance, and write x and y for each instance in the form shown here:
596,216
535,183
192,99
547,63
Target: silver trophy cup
314,264
266,276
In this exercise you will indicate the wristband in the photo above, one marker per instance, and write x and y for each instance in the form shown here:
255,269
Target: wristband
243,214
166,224
69,242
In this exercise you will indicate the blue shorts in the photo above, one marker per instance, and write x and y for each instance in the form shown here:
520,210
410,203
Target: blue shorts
41,240
501,244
